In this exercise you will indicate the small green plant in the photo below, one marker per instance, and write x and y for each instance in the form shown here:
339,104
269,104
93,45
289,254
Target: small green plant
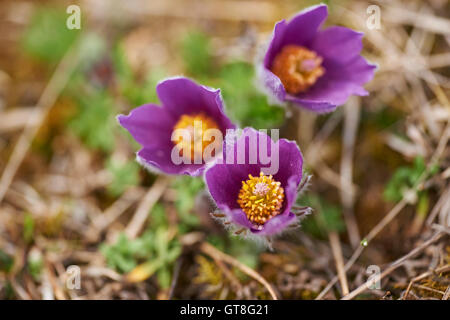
327,217
246,252
6,262
123,254
28,228
404,179
245,103
187,189
152,253
35,264
95,123
136,92
196,53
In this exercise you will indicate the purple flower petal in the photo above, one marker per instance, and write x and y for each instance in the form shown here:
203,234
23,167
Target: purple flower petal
291,162
345,70
276,43
152,126
320,105
338,45
290,192
276,224
334,89
149,124
238,217
224,180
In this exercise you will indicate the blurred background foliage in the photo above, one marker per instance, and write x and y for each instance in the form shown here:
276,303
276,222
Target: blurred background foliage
111,78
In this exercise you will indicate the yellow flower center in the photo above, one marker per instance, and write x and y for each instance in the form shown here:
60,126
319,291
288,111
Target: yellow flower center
298,68
261,198
196,126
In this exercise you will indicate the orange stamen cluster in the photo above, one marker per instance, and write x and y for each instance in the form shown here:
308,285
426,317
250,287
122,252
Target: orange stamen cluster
298,68
261,198
198,143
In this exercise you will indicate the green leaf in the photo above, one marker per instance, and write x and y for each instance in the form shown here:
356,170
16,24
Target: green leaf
124,176
95,123
196,53
120,255
404,178
158,216
244,103
164,277
121,66
161,242
28,228
142,256
327,217
35,266
174,253
136,92
6,262
423,205
187,189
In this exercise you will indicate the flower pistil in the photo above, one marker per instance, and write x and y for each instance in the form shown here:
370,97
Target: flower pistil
197,126
261,198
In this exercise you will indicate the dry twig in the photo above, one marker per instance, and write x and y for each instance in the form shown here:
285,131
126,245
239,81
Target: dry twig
147,203
217,254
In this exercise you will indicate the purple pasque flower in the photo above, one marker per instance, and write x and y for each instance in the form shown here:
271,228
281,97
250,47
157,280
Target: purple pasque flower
187,107
312,68
252,195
